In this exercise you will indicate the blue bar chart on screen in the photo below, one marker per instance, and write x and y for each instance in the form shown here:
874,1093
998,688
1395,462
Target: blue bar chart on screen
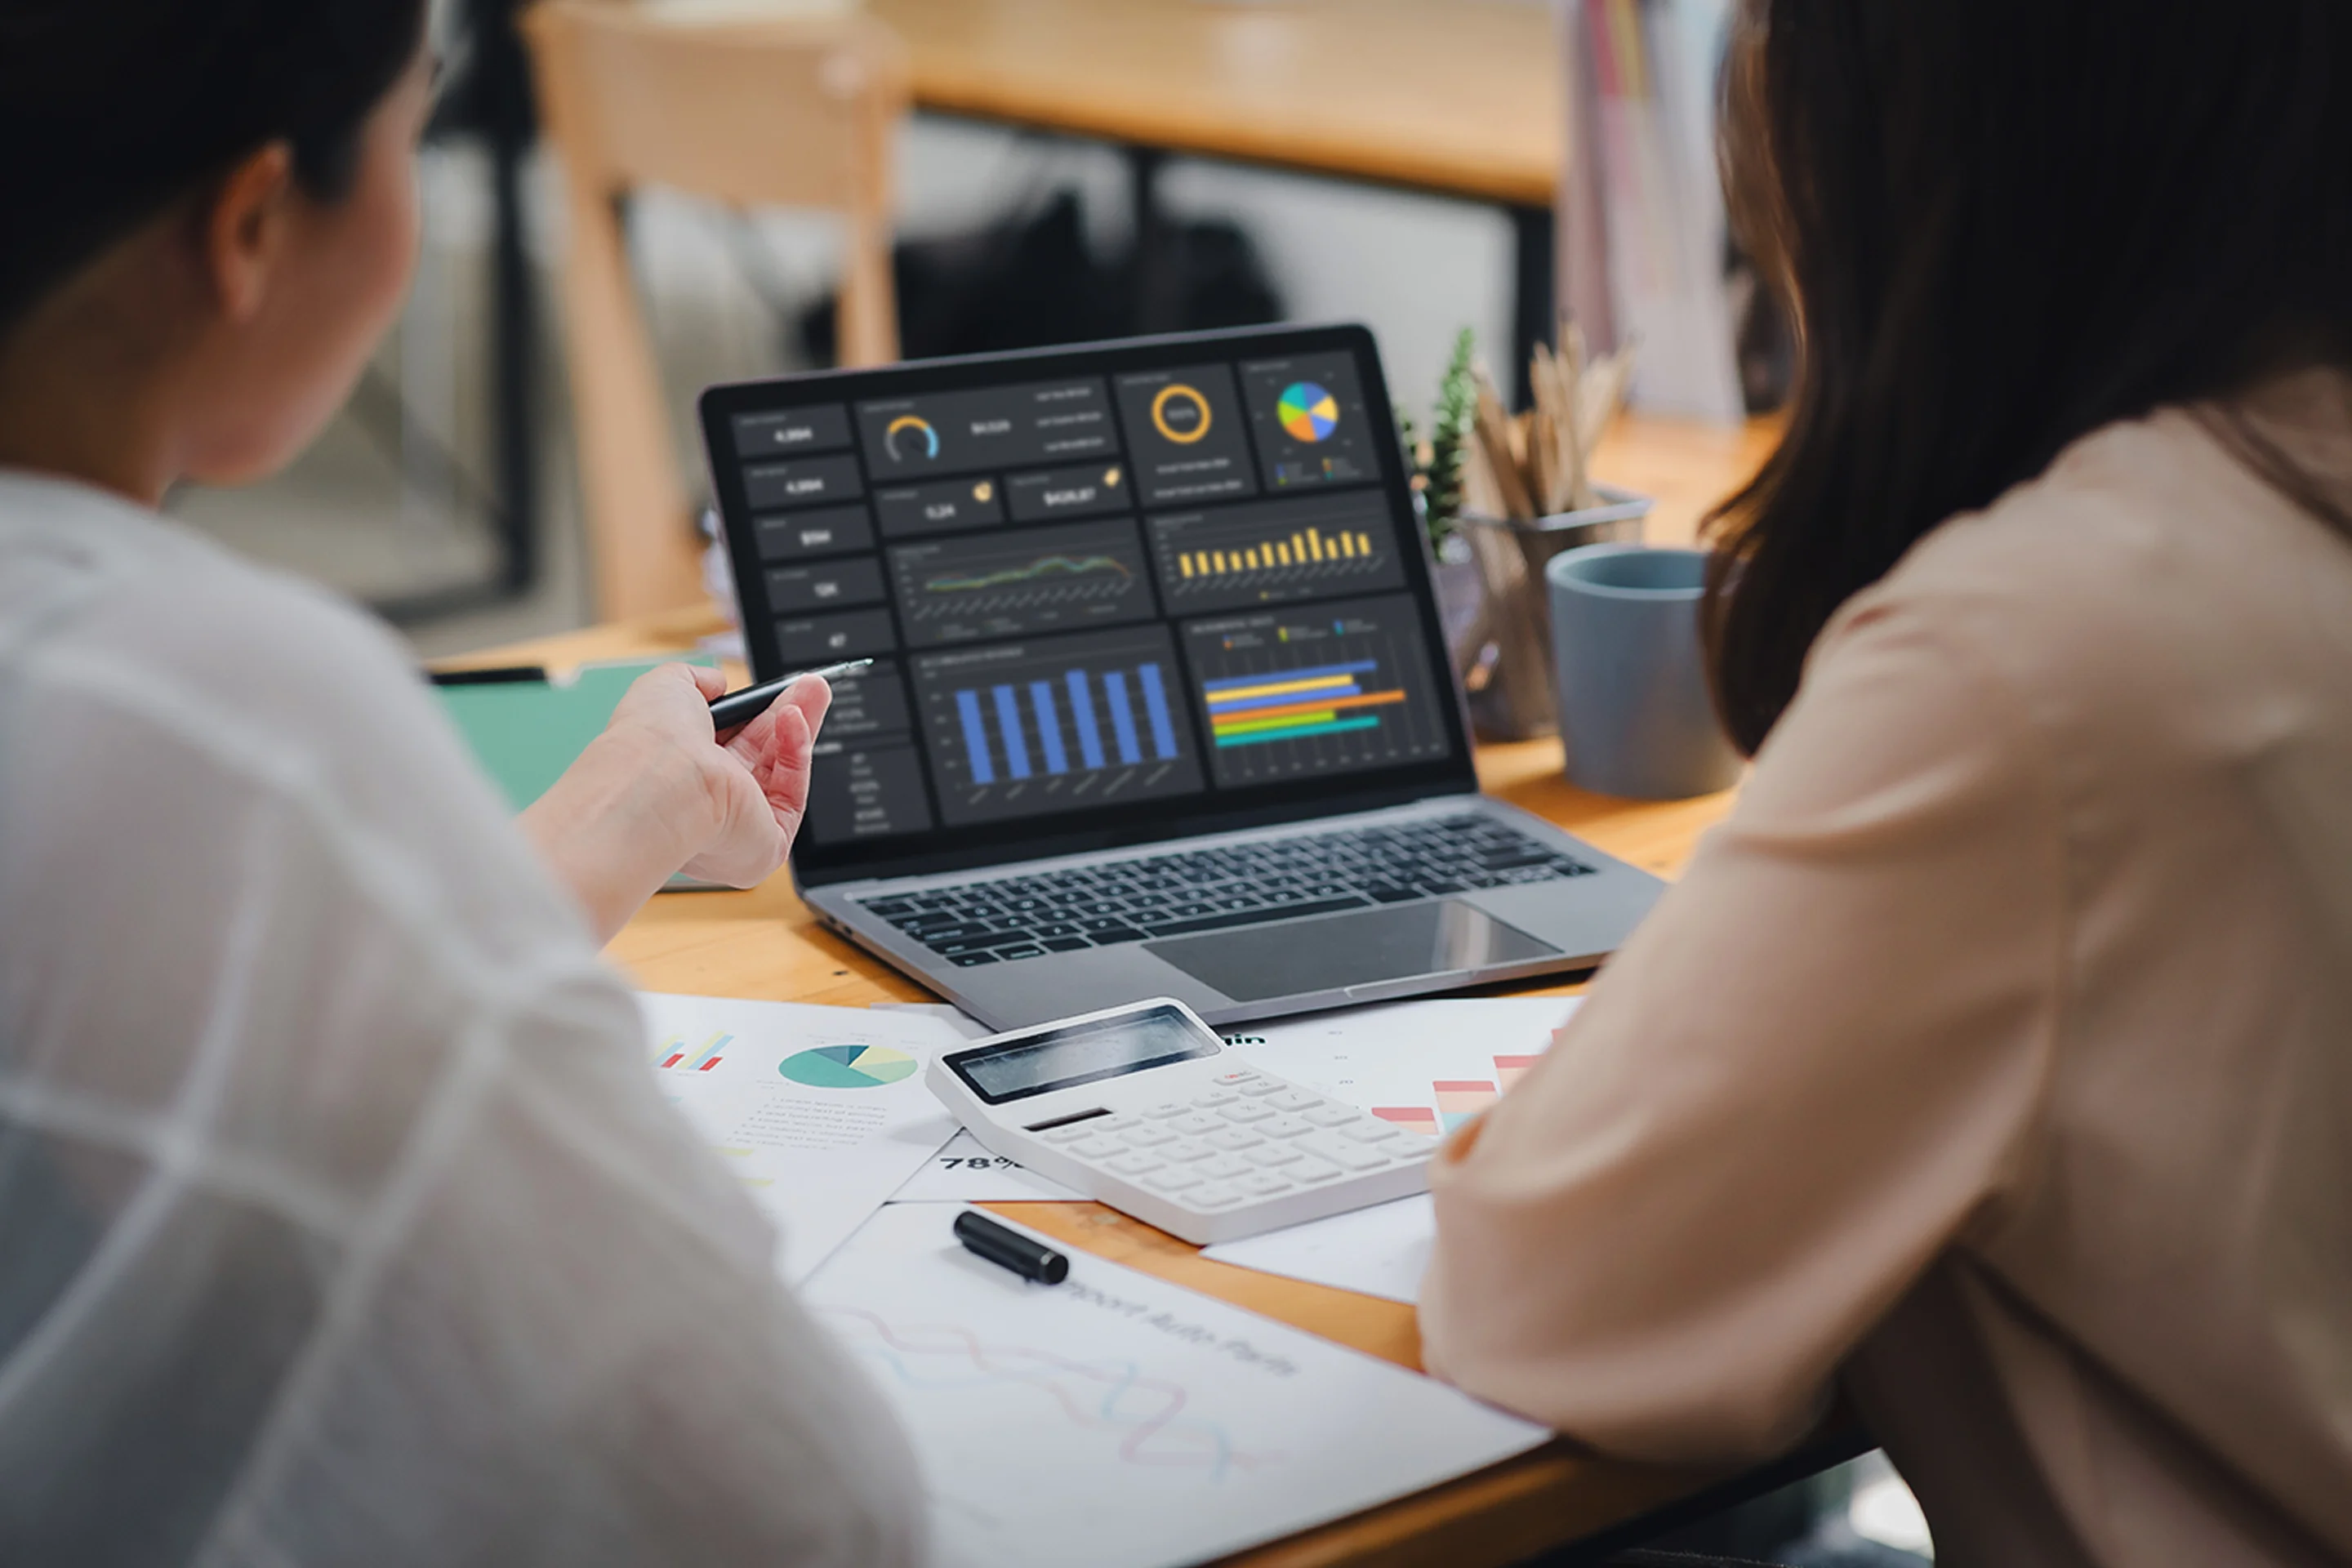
1056,723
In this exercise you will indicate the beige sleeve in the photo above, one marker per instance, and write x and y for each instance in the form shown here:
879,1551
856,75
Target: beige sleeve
1812,1066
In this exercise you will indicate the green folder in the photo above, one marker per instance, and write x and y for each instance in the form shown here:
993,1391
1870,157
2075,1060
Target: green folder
526,732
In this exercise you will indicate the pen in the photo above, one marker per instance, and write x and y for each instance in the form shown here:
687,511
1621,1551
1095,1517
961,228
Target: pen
1006,1247
741,706
501,675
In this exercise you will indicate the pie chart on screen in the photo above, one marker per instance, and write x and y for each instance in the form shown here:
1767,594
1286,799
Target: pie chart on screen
847,1066
1306,411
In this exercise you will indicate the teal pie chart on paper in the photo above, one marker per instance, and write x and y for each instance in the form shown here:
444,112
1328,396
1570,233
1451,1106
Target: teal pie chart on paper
847,1066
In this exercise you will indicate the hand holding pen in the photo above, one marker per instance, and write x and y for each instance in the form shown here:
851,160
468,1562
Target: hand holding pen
743,707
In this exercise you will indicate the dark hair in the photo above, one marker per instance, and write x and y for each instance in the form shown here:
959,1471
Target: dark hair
112,108
2001,224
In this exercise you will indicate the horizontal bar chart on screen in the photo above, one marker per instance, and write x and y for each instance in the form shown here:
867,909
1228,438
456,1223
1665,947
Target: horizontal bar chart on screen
1248,710
1316,688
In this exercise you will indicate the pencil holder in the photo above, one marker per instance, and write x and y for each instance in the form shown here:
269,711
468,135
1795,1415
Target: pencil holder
1504,655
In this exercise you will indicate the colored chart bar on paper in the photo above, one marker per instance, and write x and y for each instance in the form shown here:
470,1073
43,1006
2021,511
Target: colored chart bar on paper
1459,1100
674,1052
1508,1070
1411,1117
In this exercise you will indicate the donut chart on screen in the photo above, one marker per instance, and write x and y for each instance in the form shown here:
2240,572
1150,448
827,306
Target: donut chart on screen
1308,412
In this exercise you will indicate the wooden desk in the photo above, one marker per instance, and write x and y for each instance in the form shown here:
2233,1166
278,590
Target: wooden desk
766,944
1456,97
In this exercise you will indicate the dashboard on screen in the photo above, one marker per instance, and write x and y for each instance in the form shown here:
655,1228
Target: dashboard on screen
1111,593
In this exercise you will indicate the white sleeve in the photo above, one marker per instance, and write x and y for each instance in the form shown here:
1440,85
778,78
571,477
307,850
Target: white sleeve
343,1223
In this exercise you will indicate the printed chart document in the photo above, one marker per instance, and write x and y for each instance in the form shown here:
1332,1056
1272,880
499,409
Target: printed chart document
1428,1066
965,1173
821,1111
1115,1421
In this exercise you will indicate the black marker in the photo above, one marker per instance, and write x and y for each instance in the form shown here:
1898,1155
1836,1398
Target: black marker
1002,1244
739,708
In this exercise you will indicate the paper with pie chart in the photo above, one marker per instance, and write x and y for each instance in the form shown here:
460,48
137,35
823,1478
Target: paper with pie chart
821,1113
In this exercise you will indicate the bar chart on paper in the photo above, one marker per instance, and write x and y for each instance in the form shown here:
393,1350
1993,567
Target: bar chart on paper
1454,1100
1315,691
1427,1067
675,1055
1050,725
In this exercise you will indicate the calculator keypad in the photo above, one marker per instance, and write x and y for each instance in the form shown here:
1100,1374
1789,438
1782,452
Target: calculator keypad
1247,1137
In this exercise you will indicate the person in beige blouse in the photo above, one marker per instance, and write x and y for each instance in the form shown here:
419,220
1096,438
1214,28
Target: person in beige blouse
1992,1063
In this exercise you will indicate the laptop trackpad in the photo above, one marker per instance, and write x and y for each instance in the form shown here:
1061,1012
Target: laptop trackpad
1253,963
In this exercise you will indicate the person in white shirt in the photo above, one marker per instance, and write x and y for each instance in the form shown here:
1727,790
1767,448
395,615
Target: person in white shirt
340,1222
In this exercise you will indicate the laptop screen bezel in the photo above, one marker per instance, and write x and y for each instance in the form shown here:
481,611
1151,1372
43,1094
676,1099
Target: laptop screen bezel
1144,822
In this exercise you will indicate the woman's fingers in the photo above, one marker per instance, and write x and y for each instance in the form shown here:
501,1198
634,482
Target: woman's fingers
786,778
755,740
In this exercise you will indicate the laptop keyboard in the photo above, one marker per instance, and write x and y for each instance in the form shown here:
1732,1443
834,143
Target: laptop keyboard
1217,890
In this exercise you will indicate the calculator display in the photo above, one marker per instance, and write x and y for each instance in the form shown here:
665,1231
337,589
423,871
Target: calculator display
1083,1052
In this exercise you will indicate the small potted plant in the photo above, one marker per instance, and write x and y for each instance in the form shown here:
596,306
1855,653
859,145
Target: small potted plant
1438,465
1527,494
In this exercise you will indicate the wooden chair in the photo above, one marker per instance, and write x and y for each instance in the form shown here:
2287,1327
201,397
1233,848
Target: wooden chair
754,113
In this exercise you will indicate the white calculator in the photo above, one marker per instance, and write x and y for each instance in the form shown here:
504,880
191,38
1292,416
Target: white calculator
1144,1108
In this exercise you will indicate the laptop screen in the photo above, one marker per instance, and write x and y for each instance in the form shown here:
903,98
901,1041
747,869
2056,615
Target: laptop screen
1114,595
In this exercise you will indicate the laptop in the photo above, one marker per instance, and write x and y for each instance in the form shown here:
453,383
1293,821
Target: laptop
1160,704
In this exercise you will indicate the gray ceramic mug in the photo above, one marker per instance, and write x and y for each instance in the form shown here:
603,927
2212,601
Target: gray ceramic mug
1634,712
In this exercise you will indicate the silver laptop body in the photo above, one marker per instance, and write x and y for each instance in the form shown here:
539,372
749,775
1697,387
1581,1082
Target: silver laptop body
1160,704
